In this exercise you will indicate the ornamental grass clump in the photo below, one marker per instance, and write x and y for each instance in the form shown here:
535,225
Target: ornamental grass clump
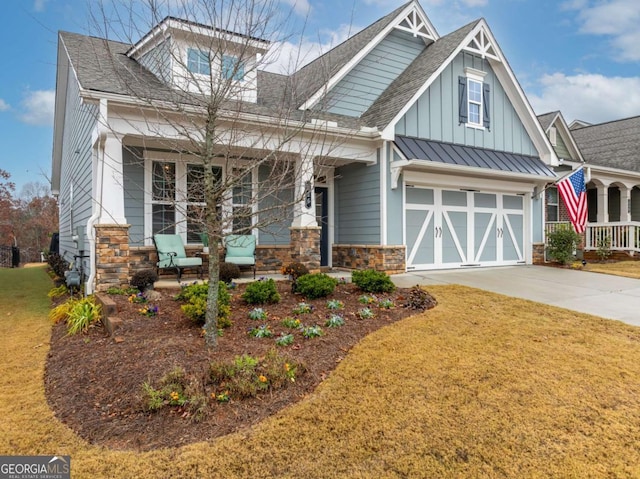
83,313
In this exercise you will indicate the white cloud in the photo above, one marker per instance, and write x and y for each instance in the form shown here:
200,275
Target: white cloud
37,107
301,7
4,106
287,57
38,5
617,19
475,3
590,97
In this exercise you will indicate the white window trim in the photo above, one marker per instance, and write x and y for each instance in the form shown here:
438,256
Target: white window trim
553,136
477,76
238,59
200,51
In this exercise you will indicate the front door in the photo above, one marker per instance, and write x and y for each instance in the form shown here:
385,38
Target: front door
322,217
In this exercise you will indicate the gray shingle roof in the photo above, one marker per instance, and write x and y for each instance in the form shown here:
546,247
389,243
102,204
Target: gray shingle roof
547,118
403,88
615,144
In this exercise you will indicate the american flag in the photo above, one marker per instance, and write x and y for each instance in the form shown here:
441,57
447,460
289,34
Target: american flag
574,194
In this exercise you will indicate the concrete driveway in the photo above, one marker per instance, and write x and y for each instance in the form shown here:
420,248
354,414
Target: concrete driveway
603,295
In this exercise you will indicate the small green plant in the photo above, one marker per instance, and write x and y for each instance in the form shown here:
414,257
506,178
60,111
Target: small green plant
561,245
603,250
195,295
317,285
335,304
143,279
284,339
58,292
372,281
221,397
365,313
386,303
261,292
419,299
312,332
258,314
262,331
228,272
114,291
367,299
61,312
334,321
82,314
291,323
171,391
303,308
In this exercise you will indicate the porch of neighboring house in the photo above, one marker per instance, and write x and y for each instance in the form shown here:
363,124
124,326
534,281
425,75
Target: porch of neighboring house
613,221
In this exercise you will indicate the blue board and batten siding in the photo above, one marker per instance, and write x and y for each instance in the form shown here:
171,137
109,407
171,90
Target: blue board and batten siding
133,171
357,189
434,115
357,91
76,170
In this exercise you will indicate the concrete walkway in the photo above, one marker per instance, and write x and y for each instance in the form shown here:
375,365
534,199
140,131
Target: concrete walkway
607,296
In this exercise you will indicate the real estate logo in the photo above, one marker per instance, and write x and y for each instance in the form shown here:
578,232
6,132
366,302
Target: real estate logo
35,467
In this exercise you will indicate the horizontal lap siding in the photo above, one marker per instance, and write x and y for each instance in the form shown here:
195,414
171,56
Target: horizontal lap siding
358,204
76,169
275,223
357,91
435,115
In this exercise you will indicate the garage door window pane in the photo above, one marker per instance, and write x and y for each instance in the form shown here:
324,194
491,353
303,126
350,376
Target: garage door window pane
512,202
485,200
420,196
454,198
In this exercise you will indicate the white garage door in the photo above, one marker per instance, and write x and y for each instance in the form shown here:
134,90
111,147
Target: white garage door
449,228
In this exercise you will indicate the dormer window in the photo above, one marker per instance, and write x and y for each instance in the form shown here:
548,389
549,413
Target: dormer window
198,61
232,68
473,99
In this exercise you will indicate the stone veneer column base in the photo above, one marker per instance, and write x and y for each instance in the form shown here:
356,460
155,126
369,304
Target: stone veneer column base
305,246
538,253
390,259
112,256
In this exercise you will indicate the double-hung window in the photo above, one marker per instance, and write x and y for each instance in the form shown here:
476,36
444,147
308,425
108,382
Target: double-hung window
552,204
473,99
195,200
241,202
198,61
232,68
163,196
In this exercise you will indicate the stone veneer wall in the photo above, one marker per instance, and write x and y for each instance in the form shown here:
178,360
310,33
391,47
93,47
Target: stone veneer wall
538,253
112,256
305,246
390,259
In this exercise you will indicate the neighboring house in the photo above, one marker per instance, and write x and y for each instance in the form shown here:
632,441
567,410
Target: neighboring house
611,152
439,162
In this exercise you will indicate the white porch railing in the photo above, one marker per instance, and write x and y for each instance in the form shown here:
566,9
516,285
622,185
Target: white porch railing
623,236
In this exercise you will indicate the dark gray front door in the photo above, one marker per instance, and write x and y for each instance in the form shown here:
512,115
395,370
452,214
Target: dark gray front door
322,217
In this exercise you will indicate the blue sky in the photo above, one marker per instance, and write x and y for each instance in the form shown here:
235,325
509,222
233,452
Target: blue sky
578,56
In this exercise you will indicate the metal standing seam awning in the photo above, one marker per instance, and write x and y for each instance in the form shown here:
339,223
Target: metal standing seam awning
439,153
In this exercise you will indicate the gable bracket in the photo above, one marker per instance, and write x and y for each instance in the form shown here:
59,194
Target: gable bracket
481,45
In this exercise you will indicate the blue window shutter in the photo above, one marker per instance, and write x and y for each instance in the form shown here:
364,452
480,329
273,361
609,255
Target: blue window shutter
462,100
486,90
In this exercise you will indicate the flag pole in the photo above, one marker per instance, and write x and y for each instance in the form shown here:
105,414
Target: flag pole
549,185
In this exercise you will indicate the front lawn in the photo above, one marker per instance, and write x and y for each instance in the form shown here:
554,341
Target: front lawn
630,269
481,386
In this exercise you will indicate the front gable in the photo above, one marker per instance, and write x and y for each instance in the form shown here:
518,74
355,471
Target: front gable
435,114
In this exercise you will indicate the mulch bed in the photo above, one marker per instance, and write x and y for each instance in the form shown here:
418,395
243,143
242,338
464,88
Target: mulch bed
94,382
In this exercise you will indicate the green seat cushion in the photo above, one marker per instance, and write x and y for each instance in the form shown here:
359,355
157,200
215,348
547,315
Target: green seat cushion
240,260
186,262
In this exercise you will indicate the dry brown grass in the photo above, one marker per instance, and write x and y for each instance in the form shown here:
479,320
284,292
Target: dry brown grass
482,386
630,269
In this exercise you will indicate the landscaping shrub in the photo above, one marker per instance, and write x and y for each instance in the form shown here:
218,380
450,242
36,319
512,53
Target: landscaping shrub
372,281
228,272
317,285
295,270
143,279
195,295
260,292
561,245
58,264
82,314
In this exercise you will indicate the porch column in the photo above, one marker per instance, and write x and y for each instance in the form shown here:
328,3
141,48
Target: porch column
625,203
304,210
603,204
110,193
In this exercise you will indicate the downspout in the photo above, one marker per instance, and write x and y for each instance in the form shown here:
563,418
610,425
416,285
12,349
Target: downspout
101,140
